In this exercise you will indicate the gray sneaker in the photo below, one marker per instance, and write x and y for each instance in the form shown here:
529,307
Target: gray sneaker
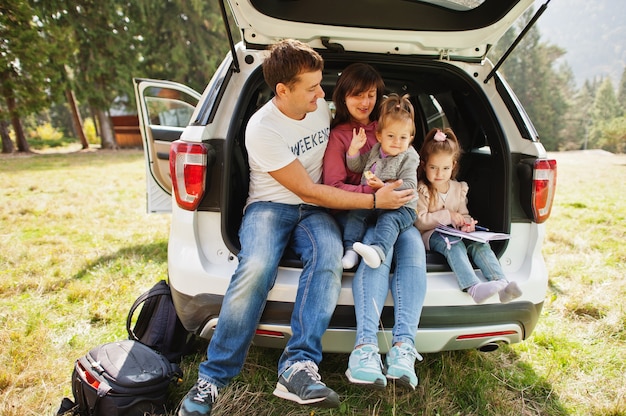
199,401
302,384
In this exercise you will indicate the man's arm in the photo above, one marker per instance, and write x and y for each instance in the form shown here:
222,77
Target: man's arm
295,178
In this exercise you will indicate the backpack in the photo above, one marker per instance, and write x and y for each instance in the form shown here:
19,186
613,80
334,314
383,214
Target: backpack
158,325
124,378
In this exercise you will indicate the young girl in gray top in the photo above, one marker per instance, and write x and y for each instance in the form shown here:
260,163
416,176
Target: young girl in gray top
390,159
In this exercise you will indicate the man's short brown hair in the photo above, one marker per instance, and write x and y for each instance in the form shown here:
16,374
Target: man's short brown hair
287,60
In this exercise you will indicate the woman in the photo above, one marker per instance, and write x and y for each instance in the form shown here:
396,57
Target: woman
356,99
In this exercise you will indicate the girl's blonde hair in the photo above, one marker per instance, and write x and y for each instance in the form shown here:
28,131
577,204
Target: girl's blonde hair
396,108
438,141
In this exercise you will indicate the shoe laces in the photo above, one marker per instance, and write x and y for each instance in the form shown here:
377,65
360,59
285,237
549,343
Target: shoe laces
370,356
405,353
205,390
309,368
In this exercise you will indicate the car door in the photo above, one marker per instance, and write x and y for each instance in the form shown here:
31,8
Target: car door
165,109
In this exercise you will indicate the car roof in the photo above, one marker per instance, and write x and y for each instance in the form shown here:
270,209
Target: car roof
451,28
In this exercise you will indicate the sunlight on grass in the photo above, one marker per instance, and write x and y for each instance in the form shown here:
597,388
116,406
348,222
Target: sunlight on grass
579,342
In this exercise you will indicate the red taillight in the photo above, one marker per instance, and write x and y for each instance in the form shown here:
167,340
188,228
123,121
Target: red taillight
486,335
544,187
188,169
272,334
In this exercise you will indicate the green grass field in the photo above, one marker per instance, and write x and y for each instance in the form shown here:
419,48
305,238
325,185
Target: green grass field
76,249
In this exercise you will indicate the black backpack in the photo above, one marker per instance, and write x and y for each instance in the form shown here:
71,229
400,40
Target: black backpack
124,378
158,325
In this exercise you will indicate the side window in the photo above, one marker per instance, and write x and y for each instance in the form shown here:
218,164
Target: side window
435,116
168,107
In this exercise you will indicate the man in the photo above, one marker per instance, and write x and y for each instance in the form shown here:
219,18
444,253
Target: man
285,140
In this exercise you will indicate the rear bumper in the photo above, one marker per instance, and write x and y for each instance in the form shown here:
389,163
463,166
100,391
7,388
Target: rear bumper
441,328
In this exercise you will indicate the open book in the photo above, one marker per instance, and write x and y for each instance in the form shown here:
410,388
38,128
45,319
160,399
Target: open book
481,236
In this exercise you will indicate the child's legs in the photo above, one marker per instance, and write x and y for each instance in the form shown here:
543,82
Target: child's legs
456,255
389,224
485,259
353,224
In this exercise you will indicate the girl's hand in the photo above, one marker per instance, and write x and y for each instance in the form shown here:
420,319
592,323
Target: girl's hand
375,183
458,220
358,141
470,226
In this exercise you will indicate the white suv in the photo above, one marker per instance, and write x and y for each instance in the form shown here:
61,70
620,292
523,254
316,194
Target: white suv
434,50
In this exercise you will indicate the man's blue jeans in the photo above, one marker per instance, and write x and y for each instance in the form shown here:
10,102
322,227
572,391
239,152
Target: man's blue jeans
407,284
458,253
265,232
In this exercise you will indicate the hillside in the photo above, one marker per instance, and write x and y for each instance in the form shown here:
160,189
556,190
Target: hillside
592,32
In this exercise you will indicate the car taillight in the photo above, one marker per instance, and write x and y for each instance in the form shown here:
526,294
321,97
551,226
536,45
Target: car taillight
188,164
544,186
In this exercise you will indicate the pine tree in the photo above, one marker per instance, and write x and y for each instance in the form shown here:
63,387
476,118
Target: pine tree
27,80
605,109
539,88
621,92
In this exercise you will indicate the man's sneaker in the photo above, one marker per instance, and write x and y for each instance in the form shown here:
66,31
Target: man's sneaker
366,368
401,365
199,400
302,384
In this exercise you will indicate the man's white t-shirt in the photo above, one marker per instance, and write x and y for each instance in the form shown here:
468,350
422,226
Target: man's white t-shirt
274,140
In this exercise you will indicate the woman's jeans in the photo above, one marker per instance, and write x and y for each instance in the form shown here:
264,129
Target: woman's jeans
407,284
265,232
458,253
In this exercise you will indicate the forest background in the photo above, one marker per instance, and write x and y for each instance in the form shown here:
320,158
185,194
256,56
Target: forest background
67,66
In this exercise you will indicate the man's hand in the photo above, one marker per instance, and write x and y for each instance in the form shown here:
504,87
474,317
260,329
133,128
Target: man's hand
388,198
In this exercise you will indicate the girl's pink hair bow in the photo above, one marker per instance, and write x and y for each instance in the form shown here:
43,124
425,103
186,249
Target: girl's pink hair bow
440,136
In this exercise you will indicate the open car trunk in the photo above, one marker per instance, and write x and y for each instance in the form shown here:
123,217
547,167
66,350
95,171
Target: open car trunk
442,96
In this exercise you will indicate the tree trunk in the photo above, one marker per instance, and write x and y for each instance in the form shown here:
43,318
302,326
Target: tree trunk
107,136
7,143
77,121
20,138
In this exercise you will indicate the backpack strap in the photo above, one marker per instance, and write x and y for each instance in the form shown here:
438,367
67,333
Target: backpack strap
161,288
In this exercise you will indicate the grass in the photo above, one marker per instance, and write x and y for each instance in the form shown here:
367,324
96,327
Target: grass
76,249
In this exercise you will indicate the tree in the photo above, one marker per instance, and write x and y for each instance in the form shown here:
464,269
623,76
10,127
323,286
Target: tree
182,41
27,81
50,13
105,56
605,110
578,119
529,70
621,92
7,143
613,136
